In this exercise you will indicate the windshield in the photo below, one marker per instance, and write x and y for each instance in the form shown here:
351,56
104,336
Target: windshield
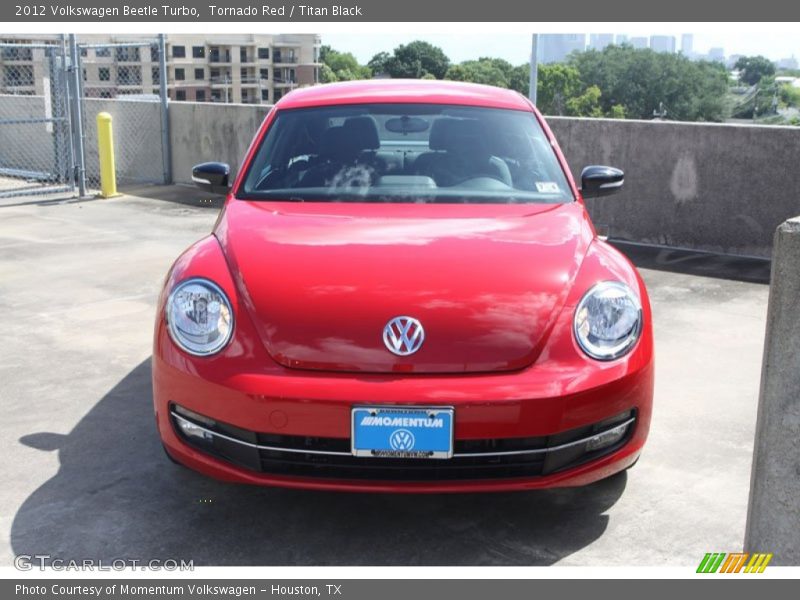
405,153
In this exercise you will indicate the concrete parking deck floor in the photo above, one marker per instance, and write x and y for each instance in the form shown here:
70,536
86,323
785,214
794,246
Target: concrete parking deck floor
84,475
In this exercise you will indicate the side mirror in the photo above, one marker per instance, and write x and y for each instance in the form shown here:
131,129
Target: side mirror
212,177
601,181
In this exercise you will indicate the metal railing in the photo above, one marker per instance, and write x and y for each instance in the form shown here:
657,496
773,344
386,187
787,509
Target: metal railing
251,80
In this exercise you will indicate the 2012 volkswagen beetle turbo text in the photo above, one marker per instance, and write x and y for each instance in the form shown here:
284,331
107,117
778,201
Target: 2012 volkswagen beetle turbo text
404,292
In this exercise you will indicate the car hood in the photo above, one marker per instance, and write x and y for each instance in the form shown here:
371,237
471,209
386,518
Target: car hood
322,280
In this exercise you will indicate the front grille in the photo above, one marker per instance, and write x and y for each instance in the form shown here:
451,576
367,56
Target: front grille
318,457
401,469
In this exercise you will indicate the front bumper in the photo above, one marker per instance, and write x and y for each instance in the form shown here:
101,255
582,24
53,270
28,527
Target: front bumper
292,429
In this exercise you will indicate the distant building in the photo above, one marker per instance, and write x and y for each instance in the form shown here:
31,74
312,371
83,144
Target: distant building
793,81
663,43
556,47
622,39
717,54
787,63
251,69
640,42
687,44
598,41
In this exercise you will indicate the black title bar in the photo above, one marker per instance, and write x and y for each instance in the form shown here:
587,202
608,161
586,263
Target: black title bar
318,11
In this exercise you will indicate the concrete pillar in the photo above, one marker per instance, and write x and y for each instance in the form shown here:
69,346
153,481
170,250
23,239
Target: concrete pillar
773,516
236,74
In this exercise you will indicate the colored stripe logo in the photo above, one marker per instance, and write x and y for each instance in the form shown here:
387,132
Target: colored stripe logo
736,562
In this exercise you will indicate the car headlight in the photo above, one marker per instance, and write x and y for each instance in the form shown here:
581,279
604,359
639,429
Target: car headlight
199,317
608,320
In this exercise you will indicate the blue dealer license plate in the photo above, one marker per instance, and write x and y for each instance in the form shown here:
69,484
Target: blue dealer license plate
400,432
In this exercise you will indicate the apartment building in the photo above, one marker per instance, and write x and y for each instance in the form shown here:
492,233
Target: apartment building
251,69
239,68
22,69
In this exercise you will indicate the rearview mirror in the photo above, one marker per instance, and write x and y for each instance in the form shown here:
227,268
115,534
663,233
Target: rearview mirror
601,181
406,125
212,177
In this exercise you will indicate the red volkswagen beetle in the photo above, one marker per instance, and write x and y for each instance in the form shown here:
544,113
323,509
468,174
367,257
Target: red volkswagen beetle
404,292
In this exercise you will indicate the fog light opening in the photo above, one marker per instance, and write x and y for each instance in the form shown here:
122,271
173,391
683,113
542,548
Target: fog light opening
193,416
607,438
194,432
193,426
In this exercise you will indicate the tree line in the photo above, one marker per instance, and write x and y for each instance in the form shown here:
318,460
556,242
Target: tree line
618,82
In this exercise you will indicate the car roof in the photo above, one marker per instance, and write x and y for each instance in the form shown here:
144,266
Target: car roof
403,91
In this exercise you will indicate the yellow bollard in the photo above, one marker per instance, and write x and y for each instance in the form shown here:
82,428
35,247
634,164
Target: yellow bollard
105,151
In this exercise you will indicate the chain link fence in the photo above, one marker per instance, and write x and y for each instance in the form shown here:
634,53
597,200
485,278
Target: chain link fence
35,130
123,80
50,96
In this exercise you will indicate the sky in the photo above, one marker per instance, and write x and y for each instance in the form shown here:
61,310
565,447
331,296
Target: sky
515,46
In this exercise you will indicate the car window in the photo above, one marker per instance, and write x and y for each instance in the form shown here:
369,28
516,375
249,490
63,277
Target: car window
405,153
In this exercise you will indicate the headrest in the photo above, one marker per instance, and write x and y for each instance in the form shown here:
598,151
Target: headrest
334,144
346,142
512,144
364,131
457,135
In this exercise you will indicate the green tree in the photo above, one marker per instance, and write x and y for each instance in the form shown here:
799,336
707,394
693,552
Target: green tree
617,112
519,79
415,59
458,73
378,63
789,95
343,66
492,71
639,80
587,104
484,70
753,69
326,74
556,84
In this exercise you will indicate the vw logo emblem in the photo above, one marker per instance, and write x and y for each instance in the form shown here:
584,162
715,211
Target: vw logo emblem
401,439
403,335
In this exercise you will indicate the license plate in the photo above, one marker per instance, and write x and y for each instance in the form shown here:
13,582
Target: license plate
399,432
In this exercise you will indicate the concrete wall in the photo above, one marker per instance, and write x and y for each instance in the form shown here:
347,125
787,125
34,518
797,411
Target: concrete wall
722,188
202,132
773,517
